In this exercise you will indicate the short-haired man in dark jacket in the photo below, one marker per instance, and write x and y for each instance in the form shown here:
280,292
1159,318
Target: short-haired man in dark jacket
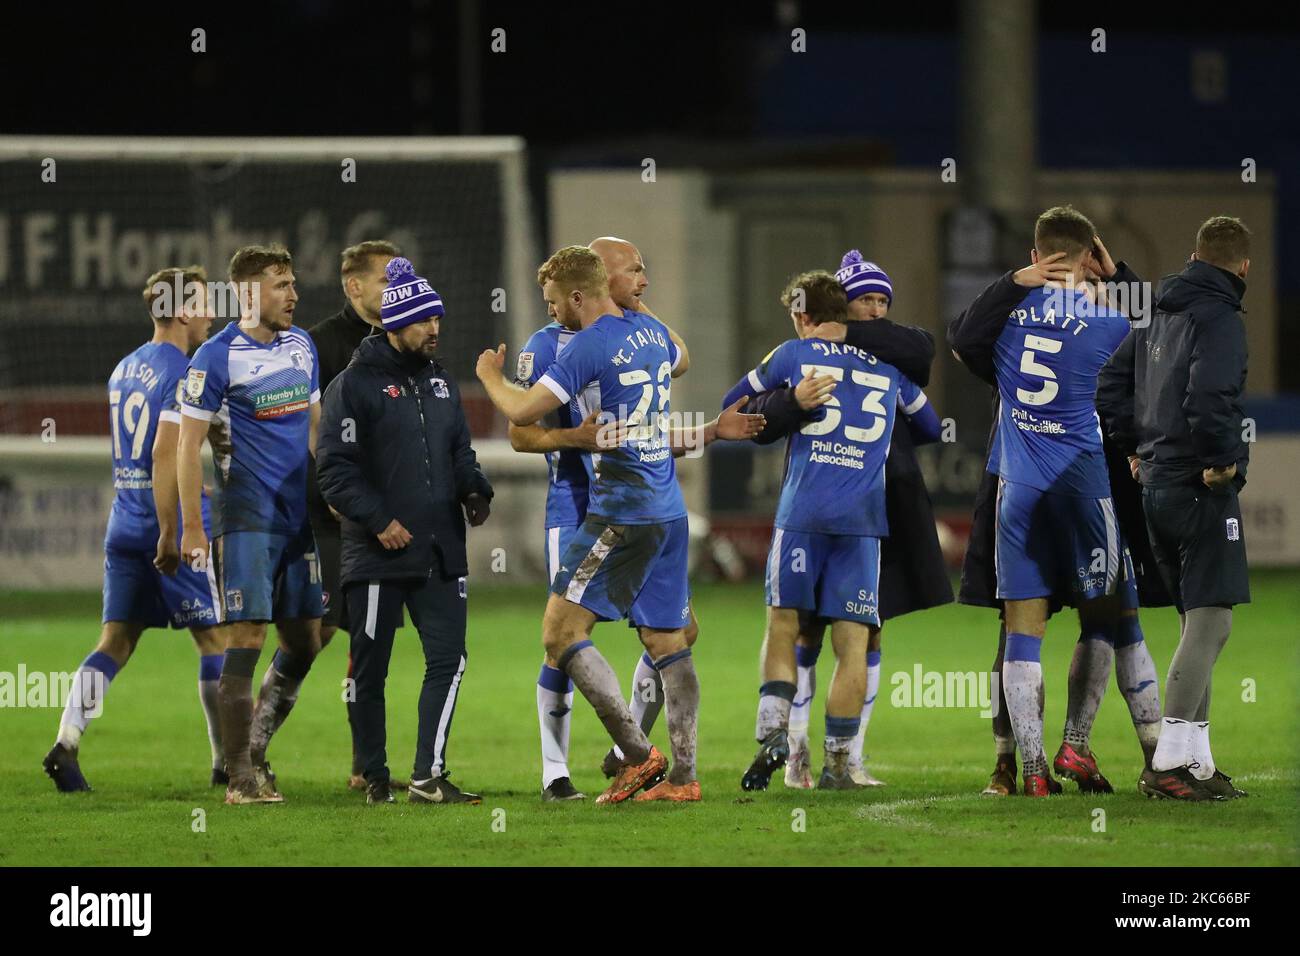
395,461
1171,399
361,271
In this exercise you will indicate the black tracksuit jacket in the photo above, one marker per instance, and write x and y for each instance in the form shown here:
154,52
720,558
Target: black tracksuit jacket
1171,393
409,459
336,338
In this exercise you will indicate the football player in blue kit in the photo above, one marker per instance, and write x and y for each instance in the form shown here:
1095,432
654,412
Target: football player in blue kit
1056,526
825,551
628,559
253,391
145,583
567,437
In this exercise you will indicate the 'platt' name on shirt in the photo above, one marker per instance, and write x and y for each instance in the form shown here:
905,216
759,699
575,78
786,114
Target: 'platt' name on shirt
1030,316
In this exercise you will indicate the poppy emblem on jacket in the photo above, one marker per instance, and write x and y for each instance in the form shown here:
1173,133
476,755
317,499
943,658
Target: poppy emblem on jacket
392,391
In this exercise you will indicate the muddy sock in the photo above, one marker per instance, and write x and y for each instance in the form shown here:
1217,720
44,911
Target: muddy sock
598,683
235,702
1135,672
1022,673
1089,674
682,697
840,735
774,700
276,698
647,693
647,696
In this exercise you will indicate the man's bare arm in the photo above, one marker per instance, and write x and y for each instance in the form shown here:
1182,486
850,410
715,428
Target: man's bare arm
520,406
189,480
166,495
731,425
540,439
684,362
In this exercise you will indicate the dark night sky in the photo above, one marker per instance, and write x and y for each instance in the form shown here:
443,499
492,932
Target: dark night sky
701,83
333,68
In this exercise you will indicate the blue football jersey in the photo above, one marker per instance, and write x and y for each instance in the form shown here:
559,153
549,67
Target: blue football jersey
835,471
143,390
630,358
1047,359
570,469
258,400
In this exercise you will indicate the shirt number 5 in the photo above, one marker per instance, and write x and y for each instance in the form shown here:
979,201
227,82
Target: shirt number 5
1029,366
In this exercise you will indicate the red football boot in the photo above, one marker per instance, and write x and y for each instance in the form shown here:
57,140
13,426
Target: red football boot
1080,765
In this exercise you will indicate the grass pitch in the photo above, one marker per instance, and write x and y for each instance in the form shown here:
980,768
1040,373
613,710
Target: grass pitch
147,758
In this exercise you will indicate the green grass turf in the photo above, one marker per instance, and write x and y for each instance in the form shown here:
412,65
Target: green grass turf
147,758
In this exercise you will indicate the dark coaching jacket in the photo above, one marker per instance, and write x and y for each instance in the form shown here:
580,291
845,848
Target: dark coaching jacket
336,338
408,458
1171,393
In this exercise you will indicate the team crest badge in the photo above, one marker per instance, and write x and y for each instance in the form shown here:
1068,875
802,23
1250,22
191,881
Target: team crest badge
1234,530
194,383
299,359
524,370
234,600
439,387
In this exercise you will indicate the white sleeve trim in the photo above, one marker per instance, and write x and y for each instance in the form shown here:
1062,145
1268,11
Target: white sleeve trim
315,397
755,382
556,388
917,404
169,416
202,414
677,361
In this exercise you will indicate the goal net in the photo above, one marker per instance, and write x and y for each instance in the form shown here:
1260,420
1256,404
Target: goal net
84,222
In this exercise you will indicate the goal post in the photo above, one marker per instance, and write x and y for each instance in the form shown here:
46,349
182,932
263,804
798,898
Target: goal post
86,220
